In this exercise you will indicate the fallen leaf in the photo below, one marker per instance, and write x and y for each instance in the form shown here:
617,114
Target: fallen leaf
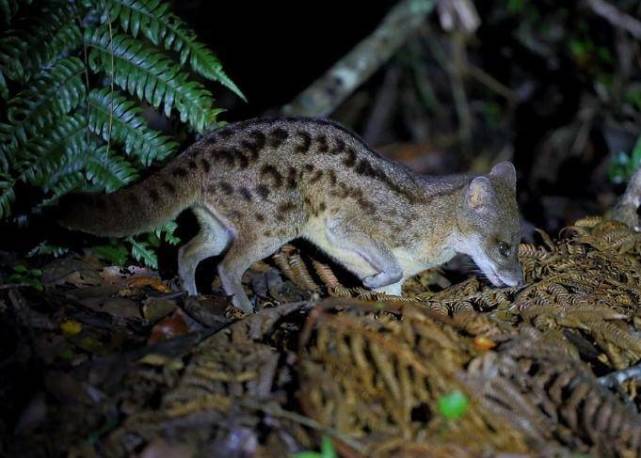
484,343
167,328
153,282
71,327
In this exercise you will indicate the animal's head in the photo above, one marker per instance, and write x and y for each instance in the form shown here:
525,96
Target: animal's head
489,222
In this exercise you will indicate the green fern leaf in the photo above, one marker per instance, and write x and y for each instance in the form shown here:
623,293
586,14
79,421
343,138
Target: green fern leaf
108,170
150,75
9,8
50,36
4,89
65,184
166,232
7,195
43,156
56,92
142,252
113,116
163,28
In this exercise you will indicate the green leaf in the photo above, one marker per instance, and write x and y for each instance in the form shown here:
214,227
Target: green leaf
166,232
137,68
44,248
327,448
112,116
141,252
163,28
108,170
54,93
115,253
52,35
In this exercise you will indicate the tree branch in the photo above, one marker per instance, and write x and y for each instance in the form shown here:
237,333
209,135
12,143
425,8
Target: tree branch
626,208
616,17
326,93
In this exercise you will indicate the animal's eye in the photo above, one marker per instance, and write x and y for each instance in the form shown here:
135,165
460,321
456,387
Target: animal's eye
504,249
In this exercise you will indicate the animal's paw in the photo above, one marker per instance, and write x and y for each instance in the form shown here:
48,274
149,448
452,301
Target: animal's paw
382,279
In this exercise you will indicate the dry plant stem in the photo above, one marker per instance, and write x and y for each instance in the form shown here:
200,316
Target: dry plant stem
326,93
626,209
620,377
276,411
616,17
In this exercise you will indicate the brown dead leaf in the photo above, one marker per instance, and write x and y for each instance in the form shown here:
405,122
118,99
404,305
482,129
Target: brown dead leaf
153,282
172,326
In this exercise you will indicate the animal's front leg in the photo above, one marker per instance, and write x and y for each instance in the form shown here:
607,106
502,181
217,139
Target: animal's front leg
377,255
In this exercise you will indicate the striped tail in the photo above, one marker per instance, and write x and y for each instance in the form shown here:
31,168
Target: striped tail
135,209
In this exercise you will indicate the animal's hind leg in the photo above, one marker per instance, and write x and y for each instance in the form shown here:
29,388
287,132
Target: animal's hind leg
242,254
212,239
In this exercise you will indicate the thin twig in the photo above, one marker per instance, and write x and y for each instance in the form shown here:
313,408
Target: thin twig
616,17
326,93
621,376
277,411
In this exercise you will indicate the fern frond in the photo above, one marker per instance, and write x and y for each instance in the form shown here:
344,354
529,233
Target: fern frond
154,19
56,92
4,89
141,251
7,195
108,170
150,75
166,232
51,36
42,157
113,116
8,9
65,184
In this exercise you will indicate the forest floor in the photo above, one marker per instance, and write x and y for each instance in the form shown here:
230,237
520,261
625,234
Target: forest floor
103,361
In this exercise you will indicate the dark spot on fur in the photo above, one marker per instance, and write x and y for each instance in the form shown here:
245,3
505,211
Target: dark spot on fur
169,187
350,160
247,195
154,195
260,217
322,207
262,190
365,168
277,137
323,147
308,168
179,172
271,172
292,176
286,207
365,204
306,142
205,164
192,164
339,146
235,214
226,132
256,144
267,233
316,176
332,177
226,187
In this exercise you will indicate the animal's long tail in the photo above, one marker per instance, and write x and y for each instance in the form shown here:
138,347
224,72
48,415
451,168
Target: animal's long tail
135,209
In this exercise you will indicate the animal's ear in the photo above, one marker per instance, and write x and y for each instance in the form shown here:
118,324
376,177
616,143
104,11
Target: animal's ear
480,193
506,171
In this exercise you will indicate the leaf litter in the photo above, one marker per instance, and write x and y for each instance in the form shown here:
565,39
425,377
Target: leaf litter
112,362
